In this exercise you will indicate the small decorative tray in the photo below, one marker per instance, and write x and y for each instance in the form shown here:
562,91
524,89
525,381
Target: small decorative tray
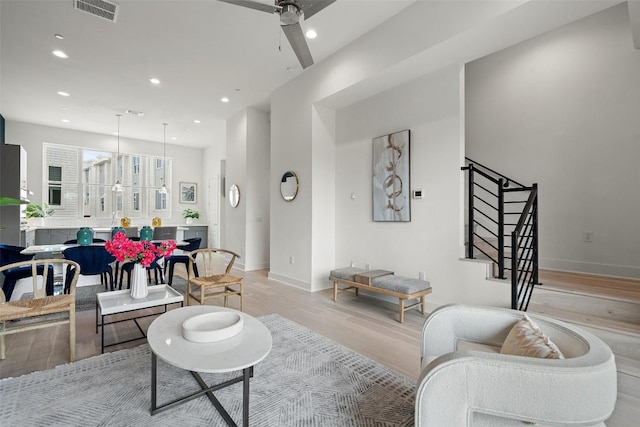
212,327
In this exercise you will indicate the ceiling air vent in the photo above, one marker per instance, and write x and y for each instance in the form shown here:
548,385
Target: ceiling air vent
100,8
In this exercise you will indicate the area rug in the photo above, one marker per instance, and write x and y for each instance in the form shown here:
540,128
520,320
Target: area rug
306,380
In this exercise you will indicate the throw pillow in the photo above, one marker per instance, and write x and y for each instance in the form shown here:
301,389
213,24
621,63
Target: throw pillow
526,339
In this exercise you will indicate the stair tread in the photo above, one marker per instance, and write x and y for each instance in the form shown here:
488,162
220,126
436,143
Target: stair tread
616,288
619,326
572,279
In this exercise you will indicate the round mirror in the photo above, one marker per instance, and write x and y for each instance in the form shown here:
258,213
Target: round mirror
289,186
234,196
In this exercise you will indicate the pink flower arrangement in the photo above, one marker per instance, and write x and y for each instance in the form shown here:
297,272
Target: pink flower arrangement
144,252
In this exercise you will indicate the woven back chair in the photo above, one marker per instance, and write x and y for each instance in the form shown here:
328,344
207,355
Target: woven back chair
214,280
43,309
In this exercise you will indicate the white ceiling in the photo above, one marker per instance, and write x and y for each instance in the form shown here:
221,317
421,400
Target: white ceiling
200,50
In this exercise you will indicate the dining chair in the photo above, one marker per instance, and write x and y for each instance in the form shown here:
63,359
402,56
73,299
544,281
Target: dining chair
103,276
75,241
132,232
182,258
10,254
93,260
127,268
165,233
210,283
43,309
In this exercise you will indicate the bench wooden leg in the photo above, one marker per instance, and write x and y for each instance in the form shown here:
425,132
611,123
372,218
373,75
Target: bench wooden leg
335,291
401,303
423,305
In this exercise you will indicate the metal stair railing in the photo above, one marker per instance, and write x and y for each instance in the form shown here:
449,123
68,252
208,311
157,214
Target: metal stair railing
503,226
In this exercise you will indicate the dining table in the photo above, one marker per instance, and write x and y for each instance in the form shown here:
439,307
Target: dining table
59,248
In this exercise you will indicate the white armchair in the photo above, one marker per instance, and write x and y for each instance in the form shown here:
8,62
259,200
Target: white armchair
461,385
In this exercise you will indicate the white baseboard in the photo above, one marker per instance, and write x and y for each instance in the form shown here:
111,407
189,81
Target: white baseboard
290,281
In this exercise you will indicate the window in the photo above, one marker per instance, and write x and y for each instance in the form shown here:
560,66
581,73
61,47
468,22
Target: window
78,182
118,202
136,201
161,201
55,185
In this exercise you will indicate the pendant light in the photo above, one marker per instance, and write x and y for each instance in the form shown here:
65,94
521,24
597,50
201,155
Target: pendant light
117,186
164,189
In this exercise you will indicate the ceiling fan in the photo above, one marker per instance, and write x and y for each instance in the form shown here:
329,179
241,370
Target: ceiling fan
290,12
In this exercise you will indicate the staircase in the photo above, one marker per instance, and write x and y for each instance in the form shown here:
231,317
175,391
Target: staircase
502,218
609,308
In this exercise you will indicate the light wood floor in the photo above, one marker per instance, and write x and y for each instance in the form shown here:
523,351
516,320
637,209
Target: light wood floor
364,324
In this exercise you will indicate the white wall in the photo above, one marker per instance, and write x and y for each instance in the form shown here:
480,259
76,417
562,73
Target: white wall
246,226
187,162
257,190
423,38
235,226
430,107
562,110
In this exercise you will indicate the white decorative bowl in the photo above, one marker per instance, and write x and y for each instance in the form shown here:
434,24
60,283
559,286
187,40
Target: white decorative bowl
212,327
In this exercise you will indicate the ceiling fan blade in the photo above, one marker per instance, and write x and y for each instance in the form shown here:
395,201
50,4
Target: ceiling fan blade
254,5
298,43
311,7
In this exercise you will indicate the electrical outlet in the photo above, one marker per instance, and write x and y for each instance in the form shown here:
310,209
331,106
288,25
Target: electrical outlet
421,275
367,266
587,236
291,260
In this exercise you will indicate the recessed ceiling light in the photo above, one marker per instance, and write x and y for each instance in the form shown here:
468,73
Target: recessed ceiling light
63,108
63,93
224,99
59,36
154,81
173,138
65,121
60,54
311,34
196,121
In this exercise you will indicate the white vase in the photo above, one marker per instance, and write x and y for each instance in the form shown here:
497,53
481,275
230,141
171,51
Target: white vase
139,282
188,221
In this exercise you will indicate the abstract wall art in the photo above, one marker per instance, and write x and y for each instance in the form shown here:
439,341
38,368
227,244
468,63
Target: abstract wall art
391,201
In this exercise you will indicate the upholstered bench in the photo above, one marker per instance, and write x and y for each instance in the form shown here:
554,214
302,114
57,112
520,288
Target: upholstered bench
383,282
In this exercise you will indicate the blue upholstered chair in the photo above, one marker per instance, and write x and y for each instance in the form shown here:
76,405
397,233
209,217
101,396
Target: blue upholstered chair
170,262
93,260
127,267
11,254
165,233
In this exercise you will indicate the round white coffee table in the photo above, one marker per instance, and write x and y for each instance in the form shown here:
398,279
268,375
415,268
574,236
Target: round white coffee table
240,352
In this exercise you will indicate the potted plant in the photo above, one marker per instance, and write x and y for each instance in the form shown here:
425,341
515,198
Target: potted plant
189,215
36,211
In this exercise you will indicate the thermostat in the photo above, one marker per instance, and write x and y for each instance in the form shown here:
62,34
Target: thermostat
417,194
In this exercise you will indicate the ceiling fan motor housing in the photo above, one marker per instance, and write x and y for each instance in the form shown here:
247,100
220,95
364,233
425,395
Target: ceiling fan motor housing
290,13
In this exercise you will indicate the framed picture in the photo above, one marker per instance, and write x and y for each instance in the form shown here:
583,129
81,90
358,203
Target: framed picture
391,200
188,192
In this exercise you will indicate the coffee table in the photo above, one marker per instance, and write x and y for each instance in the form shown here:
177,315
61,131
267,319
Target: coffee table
117,302
241,352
